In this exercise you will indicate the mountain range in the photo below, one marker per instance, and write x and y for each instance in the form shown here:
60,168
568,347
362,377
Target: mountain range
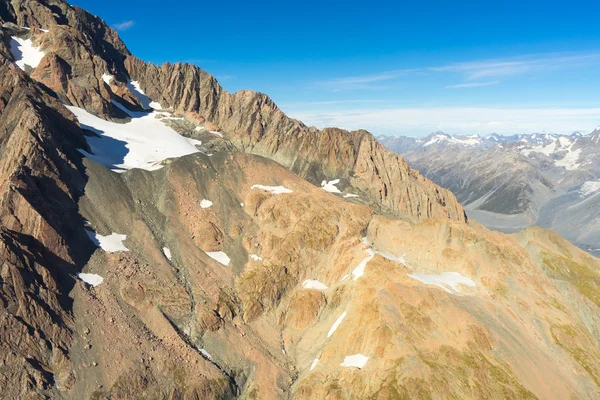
511,182
161,238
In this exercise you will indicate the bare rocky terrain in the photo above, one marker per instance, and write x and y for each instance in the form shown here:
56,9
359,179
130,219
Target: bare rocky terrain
162,238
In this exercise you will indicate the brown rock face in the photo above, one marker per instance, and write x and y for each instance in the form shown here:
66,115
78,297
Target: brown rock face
255,124
41,177
79,49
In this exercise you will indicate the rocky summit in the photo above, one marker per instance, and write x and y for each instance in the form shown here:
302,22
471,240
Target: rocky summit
163,239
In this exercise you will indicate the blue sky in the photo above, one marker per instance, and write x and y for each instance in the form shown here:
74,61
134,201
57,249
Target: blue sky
390,67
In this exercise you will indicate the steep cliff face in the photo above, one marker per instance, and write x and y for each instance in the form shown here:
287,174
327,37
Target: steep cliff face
41,246
254,123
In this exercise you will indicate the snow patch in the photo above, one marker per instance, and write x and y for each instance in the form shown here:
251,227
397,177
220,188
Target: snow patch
91,279
167,253
589,187
313,284
110,243
219,256
255,257
350,195
107,78
448,281
206,203
356,360
25,53
144,142
330,186
219,134
336,324
547,150
564,141
569,161
272,189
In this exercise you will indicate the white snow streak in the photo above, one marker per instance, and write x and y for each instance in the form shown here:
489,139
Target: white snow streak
314,364
272,189
336,324
449,281
167,253
205,353
360,270
145,101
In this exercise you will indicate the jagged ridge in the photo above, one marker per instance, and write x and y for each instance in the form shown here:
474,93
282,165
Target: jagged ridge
255,124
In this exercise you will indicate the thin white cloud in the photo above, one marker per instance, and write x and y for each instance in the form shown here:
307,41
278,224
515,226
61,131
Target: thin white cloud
123,26
471,120
383,76
364,81
473,70
330,102
472,85
519,65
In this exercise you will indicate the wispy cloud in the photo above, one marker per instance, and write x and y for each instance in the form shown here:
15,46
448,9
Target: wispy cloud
383,76
331,102
471,120
471,70
519,65
123,26
364,81
472,85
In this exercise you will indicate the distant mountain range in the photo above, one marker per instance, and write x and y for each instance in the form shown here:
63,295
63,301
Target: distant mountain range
511,182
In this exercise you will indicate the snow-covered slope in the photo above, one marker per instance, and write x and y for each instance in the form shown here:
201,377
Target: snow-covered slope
143,142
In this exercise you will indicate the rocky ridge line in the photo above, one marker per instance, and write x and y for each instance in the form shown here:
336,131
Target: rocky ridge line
255,124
